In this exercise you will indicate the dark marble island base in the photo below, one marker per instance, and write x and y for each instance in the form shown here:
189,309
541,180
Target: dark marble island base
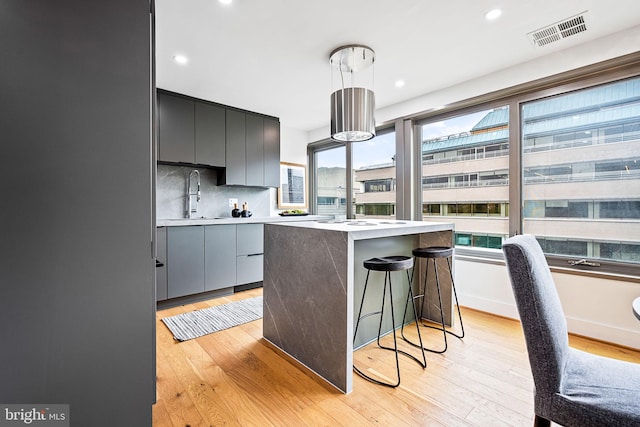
314,278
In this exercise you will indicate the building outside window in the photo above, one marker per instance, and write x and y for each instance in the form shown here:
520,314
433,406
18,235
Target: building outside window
581,172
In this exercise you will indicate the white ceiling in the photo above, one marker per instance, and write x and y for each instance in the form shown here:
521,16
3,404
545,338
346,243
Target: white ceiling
272,56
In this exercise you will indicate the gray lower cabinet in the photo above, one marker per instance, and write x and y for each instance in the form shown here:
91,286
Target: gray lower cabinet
185,260
161,266
250,250
220,256
204,258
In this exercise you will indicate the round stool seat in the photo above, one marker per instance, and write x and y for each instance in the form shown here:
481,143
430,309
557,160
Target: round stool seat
433,252
389,263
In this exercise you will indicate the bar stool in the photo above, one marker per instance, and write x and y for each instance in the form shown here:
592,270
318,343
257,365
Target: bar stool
433,253
388,265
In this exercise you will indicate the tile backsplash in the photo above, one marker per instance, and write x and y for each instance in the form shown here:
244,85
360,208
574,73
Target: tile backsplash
171,195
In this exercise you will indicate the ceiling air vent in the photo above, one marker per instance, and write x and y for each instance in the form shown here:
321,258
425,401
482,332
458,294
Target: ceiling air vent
560,30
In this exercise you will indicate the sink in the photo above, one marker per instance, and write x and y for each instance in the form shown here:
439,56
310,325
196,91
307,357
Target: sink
206,217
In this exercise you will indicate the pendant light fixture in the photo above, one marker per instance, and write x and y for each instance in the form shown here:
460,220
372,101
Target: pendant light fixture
353,102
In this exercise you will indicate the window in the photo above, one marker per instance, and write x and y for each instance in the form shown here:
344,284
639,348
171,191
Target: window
330,182
374,172
581,170
465,175
369,192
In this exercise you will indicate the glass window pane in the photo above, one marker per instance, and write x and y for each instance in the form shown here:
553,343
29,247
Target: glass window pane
465,175
331,182
581,171
374,191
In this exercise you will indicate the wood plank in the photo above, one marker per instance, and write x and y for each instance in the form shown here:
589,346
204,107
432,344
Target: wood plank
234,377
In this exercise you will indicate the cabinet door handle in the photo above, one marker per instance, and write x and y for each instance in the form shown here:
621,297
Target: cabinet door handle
255,254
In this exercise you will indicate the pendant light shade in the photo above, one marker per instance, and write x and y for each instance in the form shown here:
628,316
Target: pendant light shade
352,97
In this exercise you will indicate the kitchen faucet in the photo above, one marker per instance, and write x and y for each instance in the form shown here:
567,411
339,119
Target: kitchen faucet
191,206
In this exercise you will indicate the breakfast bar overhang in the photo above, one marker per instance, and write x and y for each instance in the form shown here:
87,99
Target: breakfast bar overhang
313,274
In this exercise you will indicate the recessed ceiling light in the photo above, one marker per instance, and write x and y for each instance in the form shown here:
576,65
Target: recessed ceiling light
226,1
399,83
493,14
180,59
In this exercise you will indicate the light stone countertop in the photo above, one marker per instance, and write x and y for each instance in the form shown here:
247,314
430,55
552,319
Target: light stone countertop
374,228
230,220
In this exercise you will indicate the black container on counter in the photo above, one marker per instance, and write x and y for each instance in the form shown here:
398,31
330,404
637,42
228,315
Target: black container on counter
235,212
246,213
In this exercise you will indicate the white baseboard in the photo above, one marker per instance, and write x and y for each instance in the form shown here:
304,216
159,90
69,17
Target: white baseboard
488,305
607,333
586,328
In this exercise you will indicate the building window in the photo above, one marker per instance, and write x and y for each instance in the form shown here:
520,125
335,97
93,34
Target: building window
376,209
581,162
378,185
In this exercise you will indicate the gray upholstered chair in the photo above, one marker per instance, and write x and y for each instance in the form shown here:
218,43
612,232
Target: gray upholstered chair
572,388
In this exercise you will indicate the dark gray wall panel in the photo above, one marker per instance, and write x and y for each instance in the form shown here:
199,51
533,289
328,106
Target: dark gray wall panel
76,268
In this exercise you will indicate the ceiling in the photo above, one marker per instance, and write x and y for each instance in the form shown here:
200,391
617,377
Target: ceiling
272,56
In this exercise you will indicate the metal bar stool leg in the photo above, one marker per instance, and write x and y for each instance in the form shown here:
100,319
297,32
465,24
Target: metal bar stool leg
381,313
433,253
455,294
387,265
424,290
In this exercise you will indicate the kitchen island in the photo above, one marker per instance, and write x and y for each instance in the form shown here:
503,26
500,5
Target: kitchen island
314,278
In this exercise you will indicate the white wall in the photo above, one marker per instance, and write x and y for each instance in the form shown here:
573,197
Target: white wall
293,145
594,307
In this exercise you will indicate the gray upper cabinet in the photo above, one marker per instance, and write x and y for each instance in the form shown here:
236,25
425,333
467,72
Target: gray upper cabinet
197,132
220,257
176,131
190,131
236,151
210,135
255,150
271,152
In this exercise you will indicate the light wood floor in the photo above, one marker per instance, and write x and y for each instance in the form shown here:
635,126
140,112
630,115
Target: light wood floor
234,378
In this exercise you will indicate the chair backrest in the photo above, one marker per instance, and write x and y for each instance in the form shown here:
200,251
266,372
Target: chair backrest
541,314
